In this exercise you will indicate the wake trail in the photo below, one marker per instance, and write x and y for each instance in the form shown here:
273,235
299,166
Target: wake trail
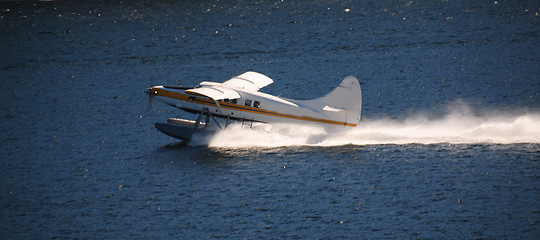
454,128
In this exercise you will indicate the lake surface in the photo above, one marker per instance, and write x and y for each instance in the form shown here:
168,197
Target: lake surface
448,146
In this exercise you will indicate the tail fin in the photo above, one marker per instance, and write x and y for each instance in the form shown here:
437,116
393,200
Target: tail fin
348,95
344,103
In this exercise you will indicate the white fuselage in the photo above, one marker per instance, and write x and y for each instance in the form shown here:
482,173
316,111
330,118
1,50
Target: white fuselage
240,98
255,106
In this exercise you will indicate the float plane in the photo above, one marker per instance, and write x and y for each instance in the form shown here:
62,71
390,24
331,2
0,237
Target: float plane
239,99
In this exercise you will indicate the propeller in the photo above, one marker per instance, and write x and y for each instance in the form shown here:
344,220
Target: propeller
150,101
150,98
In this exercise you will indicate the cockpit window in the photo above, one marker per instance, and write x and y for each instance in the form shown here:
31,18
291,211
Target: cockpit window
257,104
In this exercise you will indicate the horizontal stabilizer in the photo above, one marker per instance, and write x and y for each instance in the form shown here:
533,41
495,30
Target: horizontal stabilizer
332,109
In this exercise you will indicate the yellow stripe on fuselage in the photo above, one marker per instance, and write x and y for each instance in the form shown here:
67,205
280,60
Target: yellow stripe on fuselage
232,106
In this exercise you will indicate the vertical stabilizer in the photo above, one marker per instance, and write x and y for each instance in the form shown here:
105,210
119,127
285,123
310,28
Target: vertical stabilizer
347,96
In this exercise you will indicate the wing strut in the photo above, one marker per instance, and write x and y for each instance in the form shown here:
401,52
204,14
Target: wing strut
205,112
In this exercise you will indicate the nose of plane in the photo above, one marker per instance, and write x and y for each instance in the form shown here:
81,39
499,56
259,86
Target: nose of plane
153,91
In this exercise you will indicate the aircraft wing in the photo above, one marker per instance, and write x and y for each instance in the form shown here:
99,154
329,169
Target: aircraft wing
249,81
215,92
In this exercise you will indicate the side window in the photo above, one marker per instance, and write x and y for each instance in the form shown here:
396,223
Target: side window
234,101
257,104
248,102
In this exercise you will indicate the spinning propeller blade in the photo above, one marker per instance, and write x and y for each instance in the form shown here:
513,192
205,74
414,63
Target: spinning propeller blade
150,101
150,98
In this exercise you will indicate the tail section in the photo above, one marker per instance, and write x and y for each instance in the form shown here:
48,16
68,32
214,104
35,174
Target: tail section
347,95
343,104
345,100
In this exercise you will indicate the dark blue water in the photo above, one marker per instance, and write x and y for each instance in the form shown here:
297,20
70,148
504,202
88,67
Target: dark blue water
81,158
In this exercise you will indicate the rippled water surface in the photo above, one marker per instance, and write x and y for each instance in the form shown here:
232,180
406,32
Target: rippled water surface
448,147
